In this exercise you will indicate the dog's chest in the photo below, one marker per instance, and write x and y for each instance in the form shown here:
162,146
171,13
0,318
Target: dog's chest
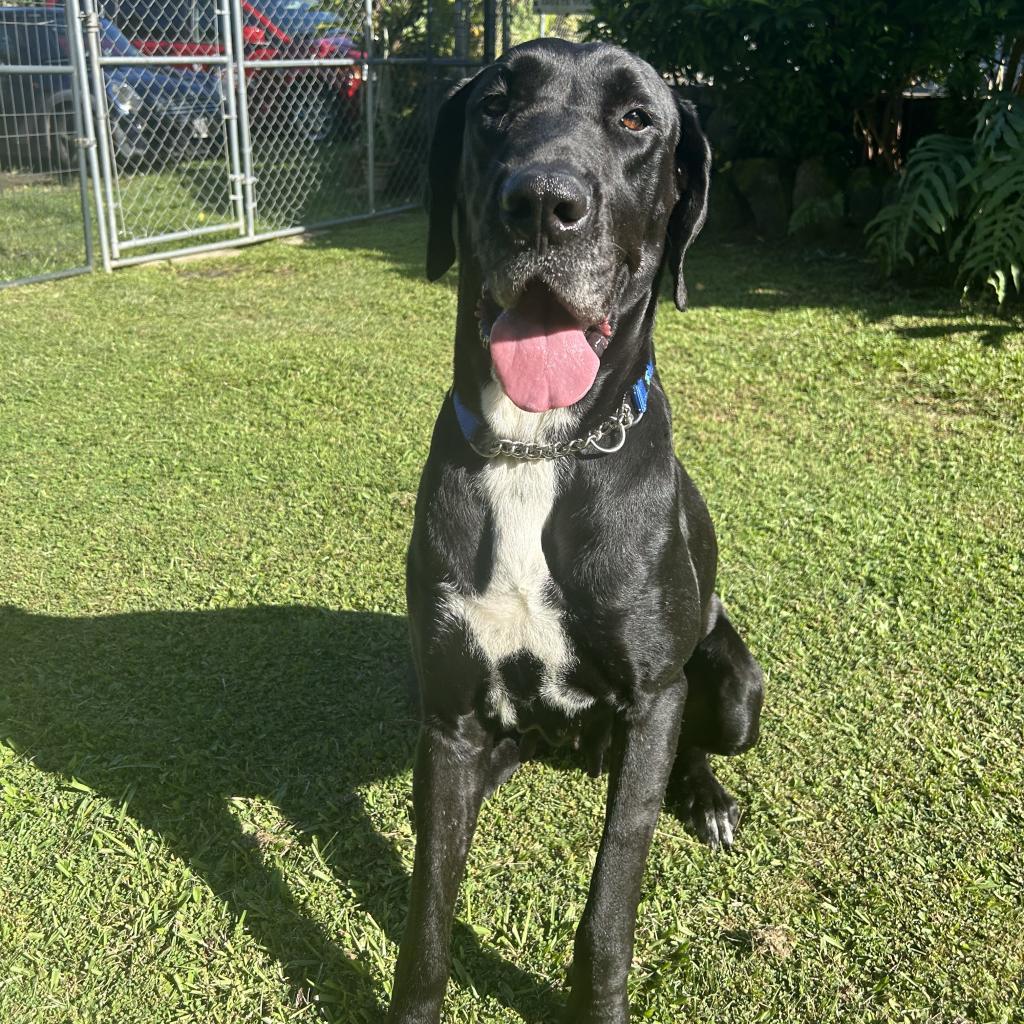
515,615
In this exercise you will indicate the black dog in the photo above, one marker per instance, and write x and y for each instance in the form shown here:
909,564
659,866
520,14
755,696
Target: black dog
562,566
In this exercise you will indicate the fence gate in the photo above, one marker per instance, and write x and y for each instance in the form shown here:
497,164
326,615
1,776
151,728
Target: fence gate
220,121
165,109
187,125
45,140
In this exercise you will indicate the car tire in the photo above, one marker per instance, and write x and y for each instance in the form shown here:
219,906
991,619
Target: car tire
125,149
316,115
62,138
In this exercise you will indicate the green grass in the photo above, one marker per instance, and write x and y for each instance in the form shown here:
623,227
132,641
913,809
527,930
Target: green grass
297,182
208,473
40,224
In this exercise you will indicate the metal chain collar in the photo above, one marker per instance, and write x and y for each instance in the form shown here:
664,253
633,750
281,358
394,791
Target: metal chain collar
618,423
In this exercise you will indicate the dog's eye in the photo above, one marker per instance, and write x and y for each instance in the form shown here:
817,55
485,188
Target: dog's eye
636,120
494,105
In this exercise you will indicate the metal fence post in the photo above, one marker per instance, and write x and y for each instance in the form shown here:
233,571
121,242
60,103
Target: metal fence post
73,28
244,139
490,29
88,165
91,20
371,111
463,8
231,116
431,72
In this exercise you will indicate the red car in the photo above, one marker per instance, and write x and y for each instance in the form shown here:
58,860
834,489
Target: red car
324,102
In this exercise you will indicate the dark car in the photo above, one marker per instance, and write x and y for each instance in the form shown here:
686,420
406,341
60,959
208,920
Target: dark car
153,113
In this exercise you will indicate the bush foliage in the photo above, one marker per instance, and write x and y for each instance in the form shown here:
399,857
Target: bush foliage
805,78
962,200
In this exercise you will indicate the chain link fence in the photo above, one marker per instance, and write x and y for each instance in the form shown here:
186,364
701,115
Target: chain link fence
45,221
165,112
139,129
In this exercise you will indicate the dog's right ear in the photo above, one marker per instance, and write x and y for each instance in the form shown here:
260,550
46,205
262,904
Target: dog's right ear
442,178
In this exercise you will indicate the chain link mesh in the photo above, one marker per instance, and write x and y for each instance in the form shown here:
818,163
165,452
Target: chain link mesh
308,145
219,120
41,211
565,26
165,124
306,122
335,122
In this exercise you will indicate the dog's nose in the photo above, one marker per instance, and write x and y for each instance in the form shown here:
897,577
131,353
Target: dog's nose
544,206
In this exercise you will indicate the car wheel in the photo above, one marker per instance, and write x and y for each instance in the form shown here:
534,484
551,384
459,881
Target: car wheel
63,139
127,147
316,115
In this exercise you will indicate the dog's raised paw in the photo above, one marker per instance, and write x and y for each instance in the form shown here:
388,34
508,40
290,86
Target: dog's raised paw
704,805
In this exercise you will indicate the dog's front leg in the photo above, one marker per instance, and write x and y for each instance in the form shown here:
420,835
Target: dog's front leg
452,763
643,752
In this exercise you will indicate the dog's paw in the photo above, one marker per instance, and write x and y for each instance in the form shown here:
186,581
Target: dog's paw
705,807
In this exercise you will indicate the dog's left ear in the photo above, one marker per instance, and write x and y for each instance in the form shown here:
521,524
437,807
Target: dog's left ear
442,178
693,171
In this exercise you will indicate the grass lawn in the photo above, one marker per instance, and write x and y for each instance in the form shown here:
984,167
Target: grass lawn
40,224
208,473
296,183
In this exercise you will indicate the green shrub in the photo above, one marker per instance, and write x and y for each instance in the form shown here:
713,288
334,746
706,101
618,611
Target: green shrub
819,78
814,213
962,200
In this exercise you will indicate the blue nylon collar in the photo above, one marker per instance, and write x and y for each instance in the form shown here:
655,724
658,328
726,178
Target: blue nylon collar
470,424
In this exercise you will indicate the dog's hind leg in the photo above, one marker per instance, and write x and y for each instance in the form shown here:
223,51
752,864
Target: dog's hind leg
505,760
725,689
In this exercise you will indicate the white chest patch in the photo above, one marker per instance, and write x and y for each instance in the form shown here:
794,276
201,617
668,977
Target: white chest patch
513,616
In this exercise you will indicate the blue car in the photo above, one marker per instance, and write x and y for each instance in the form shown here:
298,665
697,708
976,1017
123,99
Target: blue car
154,113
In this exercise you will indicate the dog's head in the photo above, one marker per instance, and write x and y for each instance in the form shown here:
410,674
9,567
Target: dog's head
576,175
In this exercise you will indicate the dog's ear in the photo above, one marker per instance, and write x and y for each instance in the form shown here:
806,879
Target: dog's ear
693,170
442,178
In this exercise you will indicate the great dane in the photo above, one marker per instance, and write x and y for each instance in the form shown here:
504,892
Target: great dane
561,573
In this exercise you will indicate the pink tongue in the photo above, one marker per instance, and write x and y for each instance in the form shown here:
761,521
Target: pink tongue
540,355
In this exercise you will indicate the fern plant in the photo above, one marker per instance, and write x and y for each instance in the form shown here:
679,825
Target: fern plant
814,212
963,200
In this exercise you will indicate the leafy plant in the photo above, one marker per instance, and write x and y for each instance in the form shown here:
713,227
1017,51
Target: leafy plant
963,201
808,78
813,212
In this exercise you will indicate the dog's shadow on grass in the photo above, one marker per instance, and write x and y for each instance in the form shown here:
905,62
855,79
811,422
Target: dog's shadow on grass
178,714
